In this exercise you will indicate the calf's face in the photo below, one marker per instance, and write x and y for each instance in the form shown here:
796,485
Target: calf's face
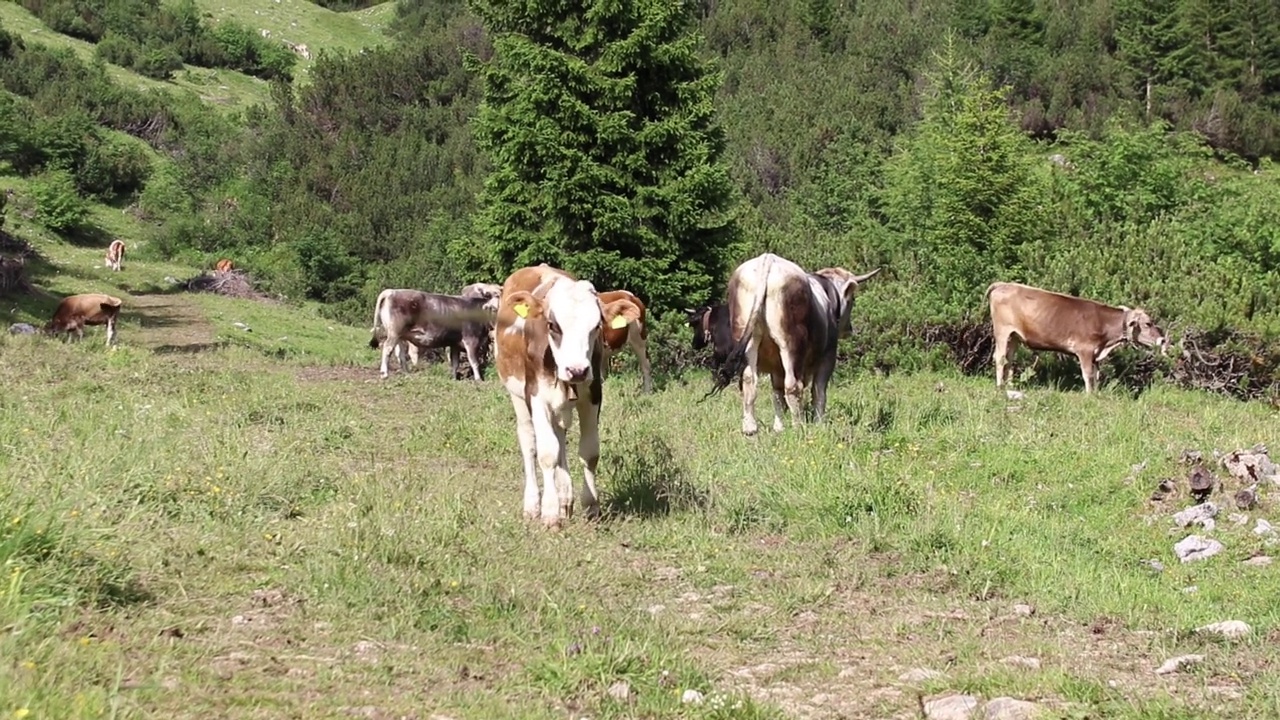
570,315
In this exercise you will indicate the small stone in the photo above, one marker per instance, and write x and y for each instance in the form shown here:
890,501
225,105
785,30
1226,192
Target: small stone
691,697
1022,661
1174,664
1197,514
952,707
1259,561
1229,629
1024,610
919,675
1013,395
239,620
1246,499
1154,564
620,691
1007,708
1238,519
1194,547
1263,528
1190,589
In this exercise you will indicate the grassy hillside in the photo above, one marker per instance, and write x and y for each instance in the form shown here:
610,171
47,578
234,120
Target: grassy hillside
210,521
296,21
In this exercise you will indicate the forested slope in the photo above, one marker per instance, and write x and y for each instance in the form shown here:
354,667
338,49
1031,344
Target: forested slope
913,136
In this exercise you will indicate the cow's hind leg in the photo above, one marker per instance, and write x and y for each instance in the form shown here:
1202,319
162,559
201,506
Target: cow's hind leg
111,331
589,452
526,436
389,344
793,388
1006,346
779,400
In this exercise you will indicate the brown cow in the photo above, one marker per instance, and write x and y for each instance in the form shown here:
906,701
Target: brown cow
787,323
635,334
76,311
1045,320
548,357
223,265
115,254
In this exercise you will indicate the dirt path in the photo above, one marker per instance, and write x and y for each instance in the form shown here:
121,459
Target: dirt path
171,324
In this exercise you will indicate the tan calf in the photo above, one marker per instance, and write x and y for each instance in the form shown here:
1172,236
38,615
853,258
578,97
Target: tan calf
115,254
1045,320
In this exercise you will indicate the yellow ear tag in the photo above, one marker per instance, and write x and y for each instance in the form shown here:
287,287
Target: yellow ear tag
618,322
521,309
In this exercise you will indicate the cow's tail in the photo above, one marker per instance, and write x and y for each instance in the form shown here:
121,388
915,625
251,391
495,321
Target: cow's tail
377,318
736,361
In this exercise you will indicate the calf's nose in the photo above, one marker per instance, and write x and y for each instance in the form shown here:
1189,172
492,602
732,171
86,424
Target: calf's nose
577,373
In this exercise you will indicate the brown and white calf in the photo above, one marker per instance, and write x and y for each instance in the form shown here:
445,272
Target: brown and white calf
786,322
77,311
549,357
1046,320
115,254
634,334
223,265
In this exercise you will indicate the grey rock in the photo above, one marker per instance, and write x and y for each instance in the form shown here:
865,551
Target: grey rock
952,707
1194,547
1007,708
1013,394
21,329
1196,515
1229,629
620,691
691,697
1174,664
1024,610
1263,528
1259,561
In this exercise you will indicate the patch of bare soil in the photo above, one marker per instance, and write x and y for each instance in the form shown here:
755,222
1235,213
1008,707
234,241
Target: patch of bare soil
342,374
870,650
169,324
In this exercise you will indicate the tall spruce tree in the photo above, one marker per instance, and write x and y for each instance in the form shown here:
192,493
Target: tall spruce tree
606,157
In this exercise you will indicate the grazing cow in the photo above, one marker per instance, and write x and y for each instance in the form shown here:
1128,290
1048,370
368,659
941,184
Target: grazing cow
1045,320
549,356
710,325
786,322
76,311
635,334
409,315
223,265
115,254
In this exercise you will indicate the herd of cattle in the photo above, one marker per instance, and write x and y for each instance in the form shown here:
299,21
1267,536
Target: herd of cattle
553,336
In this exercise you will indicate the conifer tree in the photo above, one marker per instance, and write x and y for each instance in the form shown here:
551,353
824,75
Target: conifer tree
606,157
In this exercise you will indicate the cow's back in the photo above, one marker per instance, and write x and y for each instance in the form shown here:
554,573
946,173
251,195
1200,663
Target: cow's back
1044,319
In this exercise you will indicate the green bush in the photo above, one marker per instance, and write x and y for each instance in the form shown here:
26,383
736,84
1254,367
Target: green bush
118,49
113,167
164,196
58,206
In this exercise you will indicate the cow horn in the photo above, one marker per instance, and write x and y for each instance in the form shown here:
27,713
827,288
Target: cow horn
863,278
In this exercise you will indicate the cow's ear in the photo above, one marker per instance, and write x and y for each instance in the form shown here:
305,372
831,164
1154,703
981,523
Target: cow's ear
524,305
620,313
